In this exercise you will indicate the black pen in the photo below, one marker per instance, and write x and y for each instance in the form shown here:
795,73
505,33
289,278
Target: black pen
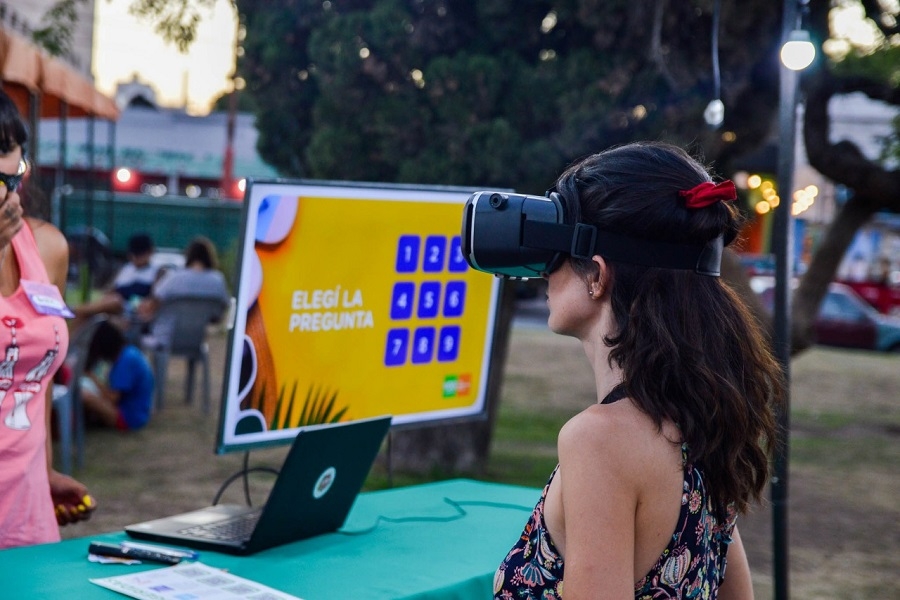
115,550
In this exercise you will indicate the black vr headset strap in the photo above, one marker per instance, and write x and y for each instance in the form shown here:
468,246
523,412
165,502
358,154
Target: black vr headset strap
584,241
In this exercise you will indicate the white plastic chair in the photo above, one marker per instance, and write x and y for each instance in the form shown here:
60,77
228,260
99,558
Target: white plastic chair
180,329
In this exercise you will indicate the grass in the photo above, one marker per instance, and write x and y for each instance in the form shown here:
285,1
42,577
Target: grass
844,518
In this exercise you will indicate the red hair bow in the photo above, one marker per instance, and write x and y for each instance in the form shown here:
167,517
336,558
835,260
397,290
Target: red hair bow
708,193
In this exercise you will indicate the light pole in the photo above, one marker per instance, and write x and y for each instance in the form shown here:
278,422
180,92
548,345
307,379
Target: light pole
797,53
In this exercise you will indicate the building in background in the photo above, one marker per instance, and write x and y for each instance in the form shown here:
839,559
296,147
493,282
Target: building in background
152,150
95,173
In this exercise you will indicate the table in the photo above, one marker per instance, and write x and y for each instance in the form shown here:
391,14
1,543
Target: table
437,540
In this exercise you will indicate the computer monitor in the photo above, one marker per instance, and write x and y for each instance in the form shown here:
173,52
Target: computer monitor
353,301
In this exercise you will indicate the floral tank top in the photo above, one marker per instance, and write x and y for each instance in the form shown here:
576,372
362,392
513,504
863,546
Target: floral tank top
691,566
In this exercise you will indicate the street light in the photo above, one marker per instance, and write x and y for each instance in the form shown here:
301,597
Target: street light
797,53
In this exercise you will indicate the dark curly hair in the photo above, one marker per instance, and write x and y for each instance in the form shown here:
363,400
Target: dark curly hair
690,349
13,131
106,345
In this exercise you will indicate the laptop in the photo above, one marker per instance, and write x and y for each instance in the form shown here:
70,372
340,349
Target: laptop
320,479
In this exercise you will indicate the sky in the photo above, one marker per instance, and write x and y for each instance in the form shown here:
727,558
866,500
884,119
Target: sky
125,46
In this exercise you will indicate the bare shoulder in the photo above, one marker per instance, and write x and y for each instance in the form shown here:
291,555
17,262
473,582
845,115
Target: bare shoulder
621,434
49,239
53,248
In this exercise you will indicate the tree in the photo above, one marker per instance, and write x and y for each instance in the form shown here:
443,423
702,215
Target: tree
174,20
506,92
876,73
56,35
494,92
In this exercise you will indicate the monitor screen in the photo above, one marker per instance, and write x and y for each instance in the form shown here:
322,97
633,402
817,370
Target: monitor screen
353,301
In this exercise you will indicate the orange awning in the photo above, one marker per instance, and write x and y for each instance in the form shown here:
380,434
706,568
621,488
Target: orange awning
25,68
20,60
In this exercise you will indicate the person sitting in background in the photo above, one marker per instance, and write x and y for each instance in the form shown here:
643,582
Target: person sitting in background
133,282
199,278
124,398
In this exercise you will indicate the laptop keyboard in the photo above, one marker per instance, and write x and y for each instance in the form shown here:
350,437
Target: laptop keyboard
236,529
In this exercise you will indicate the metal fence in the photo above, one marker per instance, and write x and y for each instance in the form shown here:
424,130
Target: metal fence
172,221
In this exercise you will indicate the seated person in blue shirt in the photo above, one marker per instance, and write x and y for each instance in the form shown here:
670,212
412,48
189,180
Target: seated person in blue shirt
125,398
133,282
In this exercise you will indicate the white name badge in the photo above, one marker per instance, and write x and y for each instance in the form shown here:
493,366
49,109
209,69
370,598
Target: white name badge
46,299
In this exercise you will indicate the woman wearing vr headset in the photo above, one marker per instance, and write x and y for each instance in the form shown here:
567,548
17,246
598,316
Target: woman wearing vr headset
34,498
651,478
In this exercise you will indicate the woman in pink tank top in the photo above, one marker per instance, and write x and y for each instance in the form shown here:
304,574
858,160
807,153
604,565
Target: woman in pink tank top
34,498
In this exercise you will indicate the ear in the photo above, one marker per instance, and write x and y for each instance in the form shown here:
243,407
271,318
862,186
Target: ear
598,278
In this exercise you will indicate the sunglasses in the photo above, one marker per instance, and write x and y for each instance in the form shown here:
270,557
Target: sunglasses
12,181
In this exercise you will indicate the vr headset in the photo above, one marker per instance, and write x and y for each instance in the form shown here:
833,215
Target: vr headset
519,236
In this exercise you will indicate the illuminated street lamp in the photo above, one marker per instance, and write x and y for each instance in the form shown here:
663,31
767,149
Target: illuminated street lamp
797,53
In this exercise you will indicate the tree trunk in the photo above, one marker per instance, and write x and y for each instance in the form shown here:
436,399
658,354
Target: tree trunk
874,189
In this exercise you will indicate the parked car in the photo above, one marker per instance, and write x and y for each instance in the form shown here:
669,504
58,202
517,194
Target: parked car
848,321
884,297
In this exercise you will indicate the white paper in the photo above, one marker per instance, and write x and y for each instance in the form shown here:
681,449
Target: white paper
189,581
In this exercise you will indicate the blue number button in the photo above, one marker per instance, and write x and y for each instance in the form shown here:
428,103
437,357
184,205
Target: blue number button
457,262
407,253
423,345
455,299
402,300
429,299
433,258
448,344
397,344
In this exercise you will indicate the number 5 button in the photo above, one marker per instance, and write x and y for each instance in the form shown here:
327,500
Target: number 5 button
429,299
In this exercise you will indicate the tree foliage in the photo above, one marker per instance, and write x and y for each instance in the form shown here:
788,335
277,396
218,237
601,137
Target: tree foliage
56,34
875,72
174,20
506,93
491,92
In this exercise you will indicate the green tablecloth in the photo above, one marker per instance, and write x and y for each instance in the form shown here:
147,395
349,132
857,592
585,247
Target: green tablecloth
451,537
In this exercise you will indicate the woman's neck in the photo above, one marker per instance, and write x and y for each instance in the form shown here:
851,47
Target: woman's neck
606,375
